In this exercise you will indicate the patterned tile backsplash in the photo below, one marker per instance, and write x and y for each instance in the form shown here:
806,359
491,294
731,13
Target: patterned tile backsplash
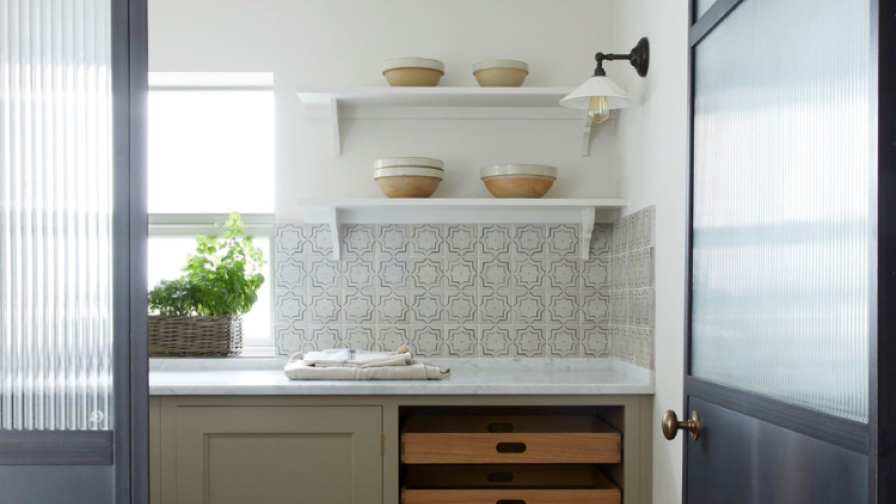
465,290
632,288
445,290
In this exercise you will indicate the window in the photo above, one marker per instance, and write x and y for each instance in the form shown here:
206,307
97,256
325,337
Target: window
211,152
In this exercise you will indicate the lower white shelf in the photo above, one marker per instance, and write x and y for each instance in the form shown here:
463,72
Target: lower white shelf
440,102
584,212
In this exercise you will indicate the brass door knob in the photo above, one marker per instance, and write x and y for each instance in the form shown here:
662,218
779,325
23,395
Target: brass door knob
671,425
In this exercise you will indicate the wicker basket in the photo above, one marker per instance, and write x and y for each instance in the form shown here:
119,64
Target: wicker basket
176,336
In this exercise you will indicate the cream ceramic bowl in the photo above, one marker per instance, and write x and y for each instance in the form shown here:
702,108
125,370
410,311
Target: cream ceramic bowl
420,162
518,169
413,71
507,73
408,181
401,171
518,180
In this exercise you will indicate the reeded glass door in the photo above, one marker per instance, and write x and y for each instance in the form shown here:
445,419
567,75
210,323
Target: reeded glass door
56,218
70,237
783,239
782,232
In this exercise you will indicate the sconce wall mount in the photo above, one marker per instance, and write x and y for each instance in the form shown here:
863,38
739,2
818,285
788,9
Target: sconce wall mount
639,57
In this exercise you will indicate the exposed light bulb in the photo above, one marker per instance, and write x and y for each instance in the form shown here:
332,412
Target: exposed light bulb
598,109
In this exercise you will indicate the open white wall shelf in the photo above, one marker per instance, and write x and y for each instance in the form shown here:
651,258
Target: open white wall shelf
446,102
582,212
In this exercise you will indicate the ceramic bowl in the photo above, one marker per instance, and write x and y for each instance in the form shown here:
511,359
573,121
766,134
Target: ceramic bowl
413,72
518,169
401,171
518,181
420,162
506,73
408,187
408,181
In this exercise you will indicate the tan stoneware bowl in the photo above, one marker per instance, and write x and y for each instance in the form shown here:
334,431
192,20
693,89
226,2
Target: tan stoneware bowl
408,182
401,72
501,73
518,181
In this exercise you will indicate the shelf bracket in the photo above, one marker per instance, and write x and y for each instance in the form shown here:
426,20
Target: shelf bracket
586,138
334,122
333,221
587,231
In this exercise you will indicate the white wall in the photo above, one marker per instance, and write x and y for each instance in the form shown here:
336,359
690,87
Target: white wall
652,157
319,43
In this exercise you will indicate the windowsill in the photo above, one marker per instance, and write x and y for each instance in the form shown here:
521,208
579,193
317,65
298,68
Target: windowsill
257,352
247,353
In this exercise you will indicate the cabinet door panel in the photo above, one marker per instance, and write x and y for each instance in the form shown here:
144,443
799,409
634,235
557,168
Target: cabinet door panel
277,454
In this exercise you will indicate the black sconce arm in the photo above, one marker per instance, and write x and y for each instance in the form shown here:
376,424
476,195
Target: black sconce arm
639,58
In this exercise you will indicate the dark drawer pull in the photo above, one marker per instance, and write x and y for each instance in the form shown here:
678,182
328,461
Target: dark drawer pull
500,428
511,447
511,501
500,477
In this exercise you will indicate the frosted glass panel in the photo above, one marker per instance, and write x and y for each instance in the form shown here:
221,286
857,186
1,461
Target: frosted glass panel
782,178
55,215
703,6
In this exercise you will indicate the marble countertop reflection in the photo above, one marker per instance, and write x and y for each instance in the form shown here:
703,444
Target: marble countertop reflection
264,376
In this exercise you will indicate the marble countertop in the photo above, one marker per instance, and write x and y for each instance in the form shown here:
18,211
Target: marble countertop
250,376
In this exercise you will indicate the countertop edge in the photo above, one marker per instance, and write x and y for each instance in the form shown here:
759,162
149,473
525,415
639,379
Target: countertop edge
486,390
474,377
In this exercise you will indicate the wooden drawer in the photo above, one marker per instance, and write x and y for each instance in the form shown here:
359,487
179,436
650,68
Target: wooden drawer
518,439
503,484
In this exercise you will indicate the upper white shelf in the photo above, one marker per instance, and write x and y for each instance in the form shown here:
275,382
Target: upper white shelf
445,102
445,96
583,212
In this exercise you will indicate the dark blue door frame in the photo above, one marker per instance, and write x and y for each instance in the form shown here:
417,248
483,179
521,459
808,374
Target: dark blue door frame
130,69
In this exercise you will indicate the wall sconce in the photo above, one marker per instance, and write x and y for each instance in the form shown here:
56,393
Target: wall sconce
599,94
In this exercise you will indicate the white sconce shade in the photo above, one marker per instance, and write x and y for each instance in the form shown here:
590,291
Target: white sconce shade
617,98
598,95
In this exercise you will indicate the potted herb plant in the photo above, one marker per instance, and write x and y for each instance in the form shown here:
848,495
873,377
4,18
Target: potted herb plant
199,314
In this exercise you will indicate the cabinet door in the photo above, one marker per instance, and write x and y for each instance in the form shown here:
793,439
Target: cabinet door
278,454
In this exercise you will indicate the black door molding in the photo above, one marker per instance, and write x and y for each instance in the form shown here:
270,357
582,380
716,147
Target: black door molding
882,369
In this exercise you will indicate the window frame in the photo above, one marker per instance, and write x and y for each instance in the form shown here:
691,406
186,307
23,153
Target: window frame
179,225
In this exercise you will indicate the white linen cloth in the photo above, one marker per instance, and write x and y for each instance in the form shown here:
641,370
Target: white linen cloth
298,370
352,364
351,357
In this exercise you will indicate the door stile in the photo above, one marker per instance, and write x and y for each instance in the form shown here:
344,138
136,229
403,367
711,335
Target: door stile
130,237
882,372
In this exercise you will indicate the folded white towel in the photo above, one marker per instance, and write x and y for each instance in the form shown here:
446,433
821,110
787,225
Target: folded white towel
350,357
297,369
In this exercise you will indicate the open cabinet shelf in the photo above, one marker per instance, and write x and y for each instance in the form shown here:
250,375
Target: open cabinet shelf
446,102
581,212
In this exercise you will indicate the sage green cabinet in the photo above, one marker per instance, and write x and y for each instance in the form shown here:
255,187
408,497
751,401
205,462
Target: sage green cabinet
337,449
270,454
